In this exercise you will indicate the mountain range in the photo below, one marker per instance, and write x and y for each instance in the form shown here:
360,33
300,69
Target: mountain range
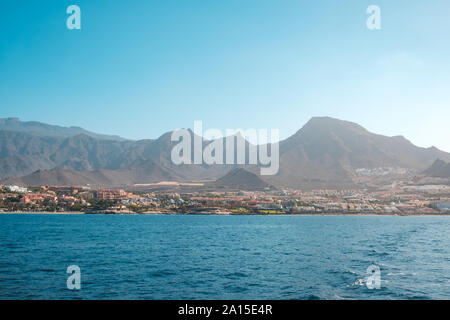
325,152
47,130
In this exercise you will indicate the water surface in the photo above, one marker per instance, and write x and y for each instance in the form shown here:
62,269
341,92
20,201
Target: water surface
223,257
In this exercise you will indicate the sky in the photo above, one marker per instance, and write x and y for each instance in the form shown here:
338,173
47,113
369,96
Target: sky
141,68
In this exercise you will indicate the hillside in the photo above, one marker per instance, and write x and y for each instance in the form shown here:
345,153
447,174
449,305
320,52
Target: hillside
47,130
439,169
325,152
242,179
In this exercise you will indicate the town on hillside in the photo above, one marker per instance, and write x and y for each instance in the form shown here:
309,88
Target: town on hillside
396,200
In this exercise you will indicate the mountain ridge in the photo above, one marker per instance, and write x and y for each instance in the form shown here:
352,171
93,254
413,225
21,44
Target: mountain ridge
42,129
324,152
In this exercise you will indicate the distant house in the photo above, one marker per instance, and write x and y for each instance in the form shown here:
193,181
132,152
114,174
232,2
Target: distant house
443,207
16,189
105,194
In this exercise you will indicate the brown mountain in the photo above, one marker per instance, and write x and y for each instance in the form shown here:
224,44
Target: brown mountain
242,179
60,177
46,130
147,171
325,152
439,169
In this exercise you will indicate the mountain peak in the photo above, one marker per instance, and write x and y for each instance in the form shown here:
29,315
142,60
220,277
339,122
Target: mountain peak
329,122
439,169
242,179
325,126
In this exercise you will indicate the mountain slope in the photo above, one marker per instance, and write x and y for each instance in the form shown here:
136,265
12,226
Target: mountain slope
243,180
439,169
23,153
325,152
60,177
46,130
146,172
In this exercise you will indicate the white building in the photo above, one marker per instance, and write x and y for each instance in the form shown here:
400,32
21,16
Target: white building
16,189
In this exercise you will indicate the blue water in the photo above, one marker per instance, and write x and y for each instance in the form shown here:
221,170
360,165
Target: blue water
224,257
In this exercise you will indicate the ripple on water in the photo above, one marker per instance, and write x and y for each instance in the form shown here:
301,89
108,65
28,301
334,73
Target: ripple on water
173,257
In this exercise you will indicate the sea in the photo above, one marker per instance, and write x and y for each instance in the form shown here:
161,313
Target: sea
224,257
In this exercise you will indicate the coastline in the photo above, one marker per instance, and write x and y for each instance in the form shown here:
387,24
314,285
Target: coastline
218,214
44,212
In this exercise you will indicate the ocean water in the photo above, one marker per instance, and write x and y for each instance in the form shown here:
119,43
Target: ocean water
224,257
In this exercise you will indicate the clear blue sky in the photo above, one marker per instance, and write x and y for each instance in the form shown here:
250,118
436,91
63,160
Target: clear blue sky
141,68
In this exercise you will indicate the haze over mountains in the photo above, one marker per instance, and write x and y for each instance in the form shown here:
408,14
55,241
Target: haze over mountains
47,130
325,152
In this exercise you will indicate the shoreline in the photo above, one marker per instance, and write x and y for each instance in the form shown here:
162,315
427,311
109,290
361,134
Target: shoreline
215,214
43,212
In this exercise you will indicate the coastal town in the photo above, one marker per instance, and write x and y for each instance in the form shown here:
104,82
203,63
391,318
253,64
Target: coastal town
396,200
